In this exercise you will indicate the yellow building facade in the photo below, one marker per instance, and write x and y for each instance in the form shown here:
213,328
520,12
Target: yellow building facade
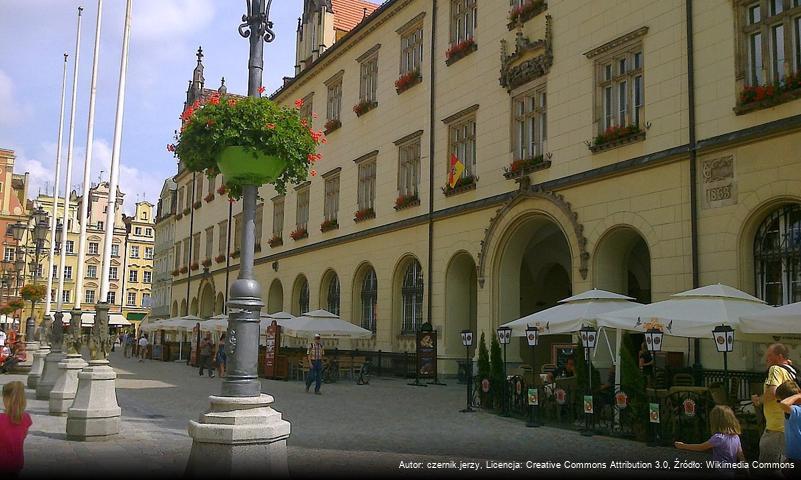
138,279
600,148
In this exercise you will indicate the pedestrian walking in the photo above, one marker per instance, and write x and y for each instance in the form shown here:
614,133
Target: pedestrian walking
219,358
14,424
205,355
789,396
315,354
129,345
780,370
142,347
724,442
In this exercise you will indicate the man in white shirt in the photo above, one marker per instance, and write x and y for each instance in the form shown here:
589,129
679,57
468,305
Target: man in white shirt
142,348
2,338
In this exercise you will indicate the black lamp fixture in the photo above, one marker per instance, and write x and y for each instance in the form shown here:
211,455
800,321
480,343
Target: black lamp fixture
589,337
17,230
504,337
724,343
533,338
467,341
653,340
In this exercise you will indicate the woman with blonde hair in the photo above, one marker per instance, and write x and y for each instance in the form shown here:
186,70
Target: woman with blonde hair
14,424
725,439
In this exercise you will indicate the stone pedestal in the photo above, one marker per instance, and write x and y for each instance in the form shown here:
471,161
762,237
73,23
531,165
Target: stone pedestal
95,414
239,436
63,392
25,367
38,365
49,375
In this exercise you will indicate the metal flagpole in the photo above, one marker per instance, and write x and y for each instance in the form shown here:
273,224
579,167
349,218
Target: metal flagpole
87,164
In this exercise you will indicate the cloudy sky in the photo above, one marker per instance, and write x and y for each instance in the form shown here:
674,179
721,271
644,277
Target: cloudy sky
165,34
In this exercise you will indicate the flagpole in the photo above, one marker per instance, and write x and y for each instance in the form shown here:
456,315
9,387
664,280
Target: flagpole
87,164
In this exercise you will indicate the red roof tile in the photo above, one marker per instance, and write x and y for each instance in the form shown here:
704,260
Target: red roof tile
349,13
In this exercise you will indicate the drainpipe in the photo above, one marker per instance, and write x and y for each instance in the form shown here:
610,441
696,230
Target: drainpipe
431,160
693,168
191,227
228,257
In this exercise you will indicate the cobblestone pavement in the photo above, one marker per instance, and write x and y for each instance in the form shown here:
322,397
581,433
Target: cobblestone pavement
349,429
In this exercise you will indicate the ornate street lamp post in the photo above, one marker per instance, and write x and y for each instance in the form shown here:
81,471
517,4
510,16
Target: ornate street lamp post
504,337
217,444
589,336
532,337
724,343
467,341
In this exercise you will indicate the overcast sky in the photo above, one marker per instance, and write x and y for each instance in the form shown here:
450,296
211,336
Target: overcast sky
165,34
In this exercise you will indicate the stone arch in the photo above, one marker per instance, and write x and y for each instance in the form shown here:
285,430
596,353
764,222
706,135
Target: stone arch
193,310
219,304
403,263
206,308
184,311
357,310
330,298
175,308
460,300
275,297
622,263
297,288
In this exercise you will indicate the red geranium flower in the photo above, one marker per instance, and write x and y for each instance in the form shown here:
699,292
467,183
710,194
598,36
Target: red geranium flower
298,103
261,89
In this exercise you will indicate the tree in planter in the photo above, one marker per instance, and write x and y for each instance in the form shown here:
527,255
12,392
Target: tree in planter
581,378
497,380
33,294
483,367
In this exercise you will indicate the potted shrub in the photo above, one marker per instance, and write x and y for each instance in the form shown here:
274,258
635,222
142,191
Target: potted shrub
276,241
250,140
206,263
299,234
219,258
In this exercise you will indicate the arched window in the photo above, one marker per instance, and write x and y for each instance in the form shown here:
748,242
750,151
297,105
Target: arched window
303,299
369,300
777,257
333,295
412,295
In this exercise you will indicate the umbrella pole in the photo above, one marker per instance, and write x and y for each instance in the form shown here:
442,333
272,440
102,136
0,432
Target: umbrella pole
618,341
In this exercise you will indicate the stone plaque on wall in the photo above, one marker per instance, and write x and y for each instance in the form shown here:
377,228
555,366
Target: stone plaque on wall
718,187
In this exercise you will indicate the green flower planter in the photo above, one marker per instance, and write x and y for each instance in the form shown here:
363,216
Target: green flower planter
246,166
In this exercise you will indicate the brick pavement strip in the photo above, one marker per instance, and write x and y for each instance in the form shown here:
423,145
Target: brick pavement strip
349,430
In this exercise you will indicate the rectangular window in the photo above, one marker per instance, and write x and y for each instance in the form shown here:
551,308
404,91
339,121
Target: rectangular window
412,50
68,272
70,248
115,250
65,296
100,225
133,276
89,296
93,248
797,42
177,263
258,222
134,251
91,271
149,253
111,297
223,237
132,299
302,216
186,252
369,79
52,295
196,248
55,272
620,88
771,41
144,215
777,51
138,231
307,108
199,187
212,181
180,197
462,143
463,20
146,300
331,200
209,241
278,217
366,192
237,232
334,102
8,254
529,124
112,273
409,168
147,277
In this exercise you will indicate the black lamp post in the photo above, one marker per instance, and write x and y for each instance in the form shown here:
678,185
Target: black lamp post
39,218
589,336
504,337
724,343
467,341
532,337
653,342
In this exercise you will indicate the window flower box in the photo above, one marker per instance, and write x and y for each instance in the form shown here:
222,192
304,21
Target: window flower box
276,241
235,253
407,81
617,136
219,258
525,12
198,204
329,225
464,184
187,210
194,266
184,269
766,96
406,201
209,197
179,216
175,272
206,263
457,51
363,107
363,214
299,234
518,168
222,190
331,125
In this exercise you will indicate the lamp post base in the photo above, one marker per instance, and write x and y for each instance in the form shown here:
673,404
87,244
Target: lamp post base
49,374
38,365
95,414
63,392
467,410
239,435
24,367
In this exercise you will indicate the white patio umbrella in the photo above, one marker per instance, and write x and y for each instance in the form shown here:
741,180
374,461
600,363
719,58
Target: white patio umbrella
187,322
280,317
88,319
326,324
572,313
694,313
786,319
217,323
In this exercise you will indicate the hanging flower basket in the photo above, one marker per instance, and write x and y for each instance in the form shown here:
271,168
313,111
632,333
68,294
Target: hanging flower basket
250,140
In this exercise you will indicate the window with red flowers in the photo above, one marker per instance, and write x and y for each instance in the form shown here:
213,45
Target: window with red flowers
302,212
463,20
278,216
529,132
331,200
409,165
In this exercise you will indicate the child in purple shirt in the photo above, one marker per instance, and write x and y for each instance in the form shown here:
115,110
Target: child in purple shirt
724,442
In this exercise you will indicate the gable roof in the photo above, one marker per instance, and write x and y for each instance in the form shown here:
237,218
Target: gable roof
349,13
